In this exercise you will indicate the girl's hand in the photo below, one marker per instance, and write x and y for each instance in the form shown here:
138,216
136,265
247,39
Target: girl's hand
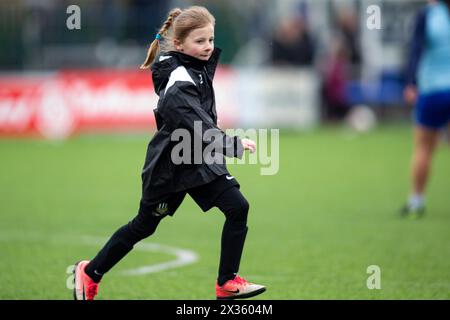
249,145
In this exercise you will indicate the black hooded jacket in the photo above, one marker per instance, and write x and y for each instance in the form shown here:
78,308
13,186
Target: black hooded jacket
184,86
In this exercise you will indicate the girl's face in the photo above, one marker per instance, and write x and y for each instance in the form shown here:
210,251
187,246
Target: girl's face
199,43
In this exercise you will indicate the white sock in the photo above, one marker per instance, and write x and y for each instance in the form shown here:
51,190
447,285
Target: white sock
416,201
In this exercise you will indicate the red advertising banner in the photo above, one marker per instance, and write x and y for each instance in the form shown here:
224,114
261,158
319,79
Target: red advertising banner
59,105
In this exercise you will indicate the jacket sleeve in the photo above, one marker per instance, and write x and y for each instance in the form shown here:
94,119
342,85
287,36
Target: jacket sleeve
182,109
416,47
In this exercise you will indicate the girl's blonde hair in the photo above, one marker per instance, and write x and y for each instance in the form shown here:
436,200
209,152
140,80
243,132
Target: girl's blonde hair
178,25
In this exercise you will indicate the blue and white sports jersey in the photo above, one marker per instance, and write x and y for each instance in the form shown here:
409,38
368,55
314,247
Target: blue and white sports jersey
434,67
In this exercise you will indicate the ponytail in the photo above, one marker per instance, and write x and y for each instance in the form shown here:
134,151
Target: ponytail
154,46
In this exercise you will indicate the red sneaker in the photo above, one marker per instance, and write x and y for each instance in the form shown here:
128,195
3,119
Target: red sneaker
85,288
238,288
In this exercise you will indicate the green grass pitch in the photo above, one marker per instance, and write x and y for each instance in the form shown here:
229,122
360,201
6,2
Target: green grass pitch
314,228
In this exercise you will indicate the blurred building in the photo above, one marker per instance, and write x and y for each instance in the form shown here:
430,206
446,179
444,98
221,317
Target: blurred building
34,33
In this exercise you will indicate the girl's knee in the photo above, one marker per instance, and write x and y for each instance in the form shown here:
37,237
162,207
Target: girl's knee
144,226
240,209
244,206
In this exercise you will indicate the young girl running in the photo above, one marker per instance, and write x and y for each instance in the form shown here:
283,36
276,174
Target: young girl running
182,77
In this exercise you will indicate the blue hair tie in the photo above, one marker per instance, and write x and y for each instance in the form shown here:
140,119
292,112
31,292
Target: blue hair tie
158,36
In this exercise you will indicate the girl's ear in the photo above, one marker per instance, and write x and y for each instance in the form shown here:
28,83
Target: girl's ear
178,45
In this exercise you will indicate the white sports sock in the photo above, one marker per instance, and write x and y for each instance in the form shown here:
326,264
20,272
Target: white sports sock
416,201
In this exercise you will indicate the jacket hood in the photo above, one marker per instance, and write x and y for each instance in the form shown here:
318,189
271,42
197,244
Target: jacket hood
166,62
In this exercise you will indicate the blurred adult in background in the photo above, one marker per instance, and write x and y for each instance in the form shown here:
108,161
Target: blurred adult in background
342,65
428,86
292,43
335,75
347,24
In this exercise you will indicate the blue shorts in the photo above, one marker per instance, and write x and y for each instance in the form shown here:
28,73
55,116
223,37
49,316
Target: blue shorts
433,110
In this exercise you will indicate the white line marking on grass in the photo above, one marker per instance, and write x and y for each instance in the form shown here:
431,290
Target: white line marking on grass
183,257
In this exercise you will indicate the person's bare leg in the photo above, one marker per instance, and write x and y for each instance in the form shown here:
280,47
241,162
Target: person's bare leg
448,134
425,141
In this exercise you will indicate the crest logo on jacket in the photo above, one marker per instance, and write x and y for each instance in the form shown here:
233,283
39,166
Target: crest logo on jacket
161,209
